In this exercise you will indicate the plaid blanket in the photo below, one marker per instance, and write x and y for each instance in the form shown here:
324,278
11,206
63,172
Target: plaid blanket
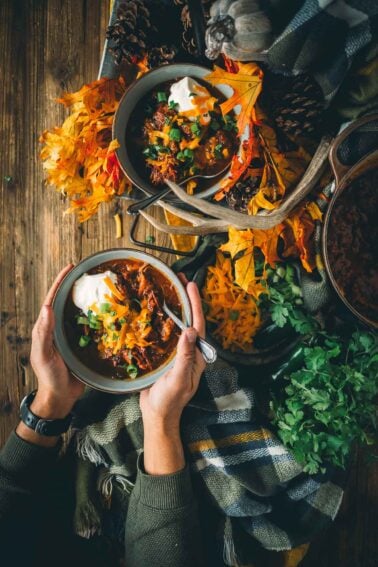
322,38
245,476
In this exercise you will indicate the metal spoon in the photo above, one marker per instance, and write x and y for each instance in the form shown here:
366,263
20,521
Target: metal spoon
209,353
144,203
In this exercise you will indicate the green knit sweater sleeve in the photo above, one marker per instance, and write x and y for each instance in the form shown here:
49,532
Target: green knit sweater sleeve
162,525
24,468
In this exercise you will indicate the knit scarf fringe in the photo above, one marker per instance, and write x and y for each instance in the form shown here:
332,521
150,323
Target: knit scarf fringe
229,552
87,449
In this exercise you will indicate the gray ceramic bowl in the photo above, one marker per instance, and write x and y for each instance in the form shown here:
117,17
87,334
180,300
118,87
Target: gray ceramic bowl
132,96
85,374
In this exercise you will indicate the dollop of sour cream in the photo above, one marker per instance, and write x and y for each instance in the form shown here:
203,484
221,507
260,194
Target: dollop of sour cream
91,289
183,93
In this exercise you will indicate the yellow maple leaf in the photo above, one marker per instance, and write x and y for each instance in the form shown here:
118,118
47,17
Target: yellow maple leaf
246,84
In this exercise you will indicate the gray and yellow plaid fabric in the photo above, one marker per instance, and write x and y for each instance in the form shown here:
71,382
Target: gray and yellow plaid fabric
253,484
322,37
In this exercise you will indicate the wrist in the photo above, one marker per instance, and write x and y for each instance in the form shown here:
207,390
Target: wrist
163,450
49,405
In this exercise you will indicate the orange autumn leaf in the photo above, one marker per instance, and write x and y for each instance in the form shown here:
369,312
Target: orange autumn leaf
239,164
314,211
299,228
246,84
79,157
267,242
241,246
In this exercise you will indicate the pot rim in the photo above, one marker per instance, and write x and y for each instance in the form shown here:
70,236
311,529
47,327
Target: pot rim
367,163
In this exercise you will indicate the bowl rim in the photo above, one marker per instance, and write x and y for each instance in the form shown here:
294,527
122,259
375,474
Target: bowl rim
121,151
75,365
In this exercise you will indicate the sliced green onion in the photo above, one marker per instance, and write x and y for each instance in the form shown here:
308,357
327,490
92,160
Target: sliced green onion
180,156
229,123
161,96
105,307
136,301
234,315
160,148
195,129
218,151
150,152
175,134
83,320
132,370
84,340
172,105
214,125
188,153
122,320
149,239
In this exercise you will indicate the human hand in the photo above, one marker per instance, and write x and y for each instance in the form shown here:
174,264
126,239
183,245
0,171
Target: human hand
58,390
164,401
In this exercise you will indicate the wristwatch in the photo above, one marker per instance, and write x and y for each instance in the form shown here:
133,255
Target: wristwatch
46,427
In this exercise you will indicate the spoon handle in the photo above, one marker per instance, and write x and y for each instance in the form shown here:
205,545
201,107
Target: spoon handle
208,352
144,203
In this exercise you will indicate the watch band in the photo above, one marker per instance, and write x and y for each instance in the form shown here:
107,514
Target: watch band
45,427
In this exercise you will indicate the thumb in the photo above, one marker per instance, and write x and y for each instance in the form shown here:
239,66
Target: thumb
186,350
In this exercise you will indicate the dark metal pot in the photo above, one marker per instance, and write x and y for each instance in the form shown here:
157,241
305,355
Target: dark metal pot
344,176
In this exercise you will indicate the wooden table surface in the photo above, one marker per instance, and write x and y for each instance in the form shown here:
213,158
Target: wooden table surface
46,47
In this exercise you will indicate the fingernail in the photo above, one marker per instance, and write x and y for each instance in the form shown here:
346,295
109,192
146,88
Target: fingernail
191,335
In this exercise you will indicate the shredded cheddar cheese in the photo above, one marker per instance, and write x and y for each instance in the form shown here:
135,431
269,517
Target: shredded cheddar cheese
234,312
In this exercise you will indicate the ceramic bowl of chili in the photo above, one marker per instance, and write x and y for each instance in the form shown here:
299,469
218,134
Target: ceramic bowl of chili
132,113
123,342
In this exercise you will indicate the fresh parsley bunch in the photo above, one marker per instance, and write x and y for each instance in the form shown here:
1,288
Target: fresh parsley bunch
330,402
284,302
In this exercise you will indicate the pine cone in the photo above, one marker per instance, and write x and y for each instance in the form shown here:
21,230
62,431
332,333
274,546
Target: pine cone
295,103
187,38
132,33
160,56
239,196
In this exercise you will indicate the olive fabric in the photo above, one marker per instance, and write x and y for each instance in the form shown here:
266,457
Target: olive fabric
37,501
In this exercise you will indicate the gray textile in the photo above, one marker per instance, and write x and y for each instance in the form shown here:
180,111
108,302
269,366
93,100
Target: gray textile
322,38
248,477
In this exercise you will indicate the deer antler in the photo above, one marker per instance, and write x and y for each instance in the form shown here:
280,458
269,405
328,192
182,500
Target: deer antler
224,217
201,226
268,219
